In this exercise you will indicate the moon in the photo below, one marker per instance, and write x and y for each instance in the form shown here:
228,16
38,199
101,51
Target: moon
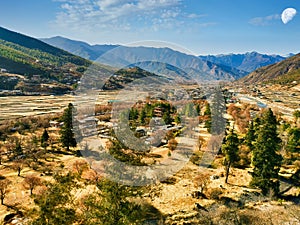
288,14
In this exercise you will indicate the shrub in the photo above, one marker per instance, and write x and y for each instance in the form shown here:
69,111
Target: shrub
172,144
215,193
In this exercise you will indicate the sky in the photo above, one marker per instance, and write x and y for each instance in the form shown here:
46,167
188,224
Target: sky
200,26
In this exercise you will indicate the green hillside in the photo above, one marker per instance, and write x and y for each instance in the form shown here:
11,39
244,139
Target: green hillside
24,55
41,64
34,44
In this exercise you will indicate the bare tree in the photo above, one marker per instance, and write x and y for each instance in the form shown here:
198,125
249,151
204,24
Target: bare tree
79,166
18,166
2,152
200,143
201,181
4,190
32,181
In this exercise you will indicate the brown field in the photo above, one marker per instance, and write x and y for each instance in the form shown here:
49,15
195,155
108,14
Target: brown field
21,106
13,107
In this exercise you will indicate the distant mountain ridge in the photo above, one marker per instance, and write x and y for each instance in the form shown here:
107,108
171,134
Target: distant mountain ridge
248,62
194,67
284,72
124,56
80,48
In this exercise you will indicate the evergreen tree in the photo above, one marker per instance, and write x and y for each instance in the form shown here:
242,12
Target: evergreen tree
113,207
293,144
250,136
167,117
18,151
149,110
44,139
55,205
133,114
177,119
265,159
230,150
296,115
207,111
256,125
189,110
67,136
142,117
198,110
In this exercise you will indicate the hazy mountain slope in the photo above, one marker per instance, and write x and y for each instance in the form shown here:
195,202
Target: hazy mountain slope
91,52
284,70
193,66
248,62
121,56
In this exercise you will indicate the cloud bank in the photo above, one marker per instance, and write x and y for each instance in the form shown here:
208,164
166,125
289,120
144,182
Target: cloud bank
264,21
121,15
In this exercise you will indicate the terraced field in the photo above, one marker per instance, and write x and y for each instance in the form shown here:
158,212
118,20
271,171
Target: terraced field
21,106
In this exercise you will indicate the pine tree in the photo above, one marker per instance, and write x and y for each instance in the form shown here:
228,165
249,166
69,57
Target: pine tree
67,136
296,115
265,159
230,150
293,144
189,110
177,119
207,113
198,110
113,206
18,151
133,114
56,205
167,117
142,117
44,139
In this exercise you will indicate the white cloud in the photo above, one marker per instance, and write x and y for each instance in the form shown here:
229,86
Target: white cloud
288,14
121,15
194,16
264,21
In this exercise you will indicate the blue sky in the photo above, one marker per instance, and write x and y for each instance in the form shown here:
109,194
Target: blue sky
202,26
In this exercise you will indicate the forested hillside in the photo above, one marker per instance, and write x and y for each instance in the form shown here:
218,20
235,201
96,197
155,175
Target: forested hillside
23,55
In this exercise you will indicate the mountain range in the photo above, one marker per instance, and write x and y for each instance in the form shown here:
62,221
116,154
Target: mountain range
27,56
247,62
122,56
211,67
